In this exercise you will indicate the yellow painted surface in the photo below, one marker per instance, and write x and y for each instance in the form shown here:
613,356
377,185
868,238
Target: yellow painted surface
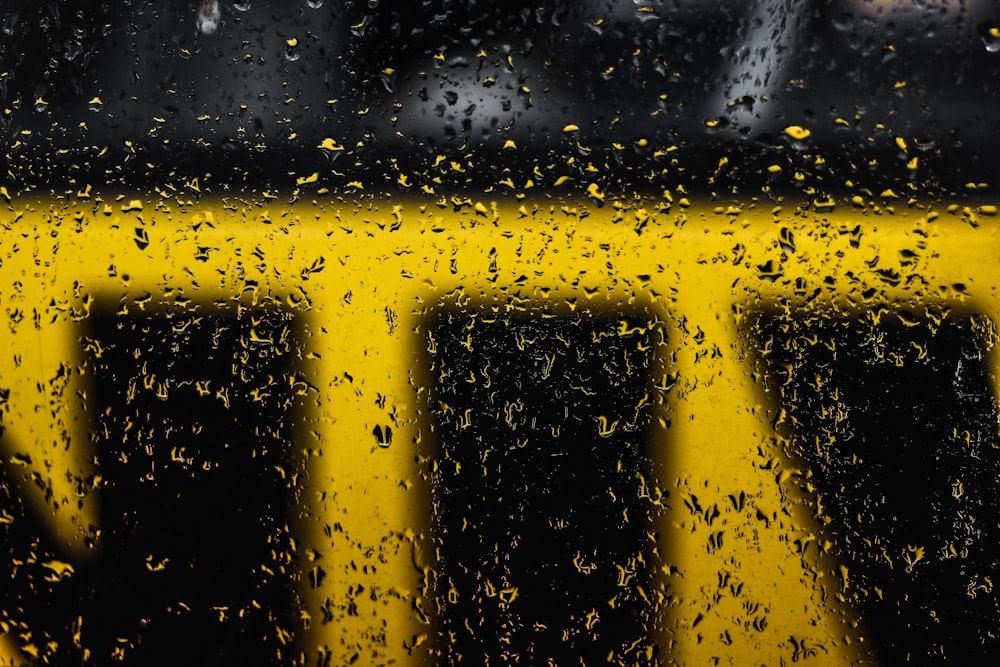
362,273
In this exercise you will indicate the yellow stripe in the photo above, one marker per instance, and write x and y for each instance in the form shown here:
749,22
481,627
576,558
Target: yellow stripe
360,264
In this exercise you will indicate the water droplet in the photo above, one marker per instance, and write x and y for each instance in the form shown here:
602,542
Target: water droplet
209,17
315,4
844,22
292,49
10,22
990,34
797,132
241,5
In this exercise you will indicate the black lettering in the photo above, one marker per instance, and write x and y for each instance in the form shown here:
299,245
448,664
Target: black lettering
192,561
896,423
544,494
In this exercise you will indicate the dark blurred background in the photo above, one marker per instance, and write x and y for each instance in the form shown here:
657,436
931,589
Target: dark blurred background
660,90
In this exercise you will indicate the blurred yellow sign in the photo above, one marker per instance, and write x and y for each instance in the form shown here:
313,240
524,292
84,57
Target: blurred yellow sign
361,275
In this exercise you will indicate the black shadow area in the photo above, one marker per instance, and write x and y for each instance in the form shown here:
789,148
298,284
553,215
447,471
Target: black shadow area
193,557
895,419
544,488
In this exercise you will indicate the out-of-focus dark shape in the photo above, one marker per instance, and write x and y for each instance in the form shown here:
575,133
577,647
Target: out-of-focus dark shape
895,427
191,562
544,495
659,92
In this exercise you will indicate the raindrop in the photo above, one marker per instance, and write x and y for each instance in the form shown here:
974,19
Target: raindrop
71,49
315,4
209,17
241,5
292,49
990,34
844,22
10,24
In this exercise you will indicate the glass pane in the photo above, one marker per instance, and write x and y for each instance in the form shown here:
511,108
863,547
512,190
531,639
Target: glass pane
283,282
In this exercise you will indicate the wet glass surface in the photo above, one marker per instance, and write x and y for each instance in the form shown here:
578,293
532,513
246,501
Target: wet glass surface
653,332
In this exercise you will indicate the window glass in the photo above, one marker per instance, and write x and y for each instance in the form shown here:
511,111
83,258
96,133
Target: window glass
430,332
